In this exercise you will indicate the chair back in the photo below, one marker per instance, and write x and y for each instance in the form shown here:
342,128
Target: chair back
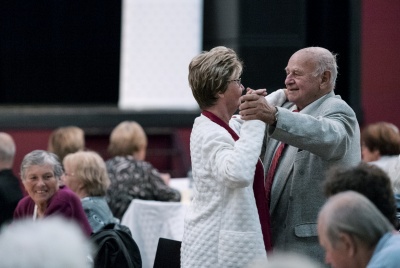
168,254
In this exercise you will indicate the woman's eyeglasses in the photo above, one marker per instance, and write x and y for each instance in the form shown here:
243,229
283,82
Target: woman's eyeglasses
238,81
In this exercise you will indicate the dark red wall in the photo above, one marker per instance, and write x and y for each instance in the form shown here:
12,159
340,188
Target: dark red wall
380,61
168,150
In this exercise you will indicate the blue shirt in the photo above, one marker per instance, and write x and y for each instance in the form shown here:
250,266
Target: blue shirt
97,212
387,252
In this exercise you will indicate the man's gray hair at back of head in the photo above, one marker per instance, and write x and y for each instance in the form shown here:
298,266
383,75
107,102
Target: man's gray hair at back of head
352,213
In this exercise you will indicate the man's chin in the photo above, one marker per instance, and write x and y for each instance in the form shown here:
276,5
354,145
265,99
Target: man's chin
291,98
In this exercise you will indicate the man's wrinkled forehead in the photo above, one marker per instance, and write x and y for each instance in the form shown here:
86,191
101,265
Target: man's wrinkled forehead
300,61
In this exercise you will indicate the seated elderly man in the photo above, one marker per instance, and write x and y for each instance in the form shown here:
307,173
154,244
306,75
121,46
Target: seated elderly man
354,233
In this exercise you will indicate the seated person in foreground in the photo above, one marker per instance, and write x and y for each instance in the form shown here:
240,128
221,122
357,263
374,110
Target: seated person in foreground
131,176
49,243
86,175
354,233
40,173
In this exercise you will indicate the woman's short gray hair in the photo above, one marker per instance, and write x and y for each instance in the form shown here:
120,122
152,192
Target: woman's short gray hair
41,158
210,72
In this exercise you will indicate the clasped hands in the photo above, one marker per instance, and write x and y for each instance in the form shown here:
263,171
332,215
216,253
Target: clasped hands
255,106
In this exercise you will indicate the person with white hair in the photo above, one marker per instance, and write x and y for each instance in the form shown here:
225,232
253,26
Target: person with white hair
354,233
306,136
10,188
51,242
40,174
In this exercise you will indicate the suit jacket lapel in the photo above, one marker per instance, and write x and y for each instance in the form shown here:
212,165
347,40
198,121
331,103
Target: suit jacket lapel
286,162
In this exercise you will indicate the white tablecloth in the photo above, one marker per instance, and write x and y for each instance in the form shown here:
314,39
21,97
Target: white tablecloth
184,187
150,220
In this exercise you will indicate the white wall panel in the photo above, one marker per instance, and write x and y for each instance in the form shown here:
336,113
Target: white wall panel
159,38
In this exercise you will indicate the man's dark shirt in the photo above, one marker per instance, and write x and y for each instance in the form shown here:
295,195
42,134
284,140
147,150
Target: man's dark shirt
10,194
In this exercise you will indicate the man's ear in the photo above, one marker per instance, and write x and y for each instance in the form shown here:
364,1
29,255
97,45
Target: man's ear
325,80
349,244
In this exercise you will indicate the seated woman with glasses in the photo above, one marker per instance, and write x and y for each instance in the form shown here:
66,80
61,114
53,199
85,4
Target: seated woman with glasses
86,175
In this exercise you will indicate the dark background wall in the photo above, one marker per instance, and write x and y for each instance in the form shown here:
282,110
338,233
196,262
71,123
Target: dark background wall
267,33
59,51
68,52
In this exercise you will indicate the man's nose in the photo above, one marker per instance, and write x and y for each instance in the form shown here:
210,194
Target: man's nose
289,80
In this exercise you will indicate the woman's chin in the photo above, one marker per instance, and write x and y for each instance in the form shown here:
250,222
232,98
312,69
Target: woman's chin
41,198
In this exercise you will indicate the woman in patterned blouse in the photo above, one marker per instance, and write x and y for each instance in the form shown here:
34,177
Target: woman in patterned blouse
132,177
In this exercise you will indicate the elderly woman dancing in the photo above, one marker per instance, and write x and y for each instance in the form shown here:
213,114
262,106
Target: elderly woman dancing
40,173
222,224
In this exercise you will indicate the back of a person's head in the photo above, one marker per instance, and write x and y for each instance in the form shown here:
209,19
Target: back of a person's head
368,180
7,150
381,136
127,138
47,243
353,214
90,169
66,140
